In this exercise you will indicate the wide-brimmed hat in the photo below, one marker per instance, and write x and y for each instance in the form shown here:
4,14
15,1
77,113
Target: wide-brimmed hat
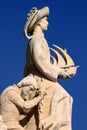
33,18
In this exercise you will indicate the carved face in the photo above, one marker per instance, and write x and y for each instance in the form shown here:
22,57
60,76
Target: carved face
25,92
43,24
28,92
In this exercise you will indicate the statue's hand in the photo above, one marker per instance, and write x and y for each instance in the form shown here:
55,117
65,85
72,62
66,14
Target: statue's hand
42,92
62,73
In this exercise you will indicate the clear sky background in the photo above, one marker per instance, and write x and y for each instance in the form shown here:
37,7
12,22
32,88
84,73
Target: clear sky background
67,28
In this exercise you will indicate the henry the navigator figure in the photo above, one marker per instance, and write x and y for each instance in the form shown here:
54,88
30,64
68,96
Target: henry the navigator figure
55,109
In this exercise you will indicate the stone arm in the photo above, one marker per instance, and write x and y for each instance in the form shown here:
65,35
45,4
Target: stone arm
41,61
25,106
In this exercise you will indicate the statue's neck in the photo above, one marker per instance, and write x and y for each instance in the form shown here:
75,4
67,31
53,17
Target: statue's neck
38,31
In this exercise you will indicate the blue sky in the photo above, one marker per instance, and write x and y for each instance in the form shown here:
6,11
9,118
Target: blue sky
67,28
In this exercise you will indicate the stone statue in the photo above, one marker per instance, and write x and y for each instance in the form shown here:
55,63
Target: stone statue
38,102
16,103
55,108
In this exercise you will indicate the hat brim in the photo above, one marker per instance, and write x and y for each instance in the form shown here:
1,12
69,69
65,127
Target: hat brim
44,12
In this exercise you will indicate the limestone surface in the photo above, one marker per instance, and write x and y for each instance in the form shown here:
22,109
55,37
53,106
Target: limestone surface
38,101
